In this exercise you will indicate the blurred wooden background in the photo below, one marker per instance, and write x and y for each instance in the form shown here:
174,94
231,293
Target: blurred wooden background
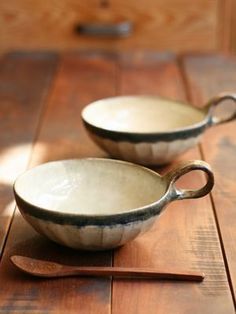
176,25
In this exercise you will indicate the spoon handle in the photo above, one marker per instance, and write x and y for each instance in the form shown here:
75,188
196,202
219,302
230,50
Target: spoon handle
131,273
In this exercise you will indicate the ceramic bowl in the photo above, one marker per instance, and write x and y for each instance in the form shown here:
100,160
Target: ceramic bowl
98,204
148,129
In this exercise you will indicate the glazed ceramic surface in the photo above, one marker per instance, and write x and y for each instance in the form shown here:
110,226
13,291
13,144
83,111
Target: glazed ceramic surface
98,204
148,129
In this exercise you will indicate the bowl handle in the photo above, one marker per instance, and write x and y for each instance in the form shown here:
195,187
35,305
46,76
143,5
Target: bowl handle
185,167
215,101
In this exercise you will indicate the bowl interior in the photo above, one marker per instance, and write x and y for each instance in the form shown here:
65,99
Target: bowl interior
145,114
90,186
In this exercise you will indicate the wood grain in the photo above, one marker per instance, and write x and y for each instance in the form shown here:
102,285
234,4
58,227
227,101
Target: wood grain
232,21
24,81
83,78
158,25
225,26
207,76
80,79
184,237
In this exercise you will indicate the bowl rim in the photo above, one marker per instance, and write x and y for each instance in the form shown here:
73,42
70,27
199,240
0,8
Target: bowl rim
139,213
168,135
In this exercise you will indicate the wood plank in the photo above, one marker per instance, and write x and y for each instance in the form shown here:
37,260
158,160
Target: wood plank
208,76
24,80
184,237
157,25
80,79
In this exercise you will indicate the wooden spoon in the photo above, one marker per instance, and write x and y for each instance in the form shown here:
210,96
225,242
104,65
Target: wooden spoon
41,268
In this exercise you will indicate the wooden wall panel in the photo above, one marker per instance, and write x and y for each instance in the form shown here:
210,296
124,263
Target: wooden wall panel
178,25
232,21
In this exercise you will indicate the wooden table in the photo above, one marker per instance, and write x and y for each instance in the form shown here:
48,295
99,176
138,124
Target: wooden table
41,97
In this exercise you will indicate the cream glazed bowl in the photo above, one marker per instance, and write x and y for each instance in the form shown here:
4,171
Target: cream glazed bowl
149,130
99,204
